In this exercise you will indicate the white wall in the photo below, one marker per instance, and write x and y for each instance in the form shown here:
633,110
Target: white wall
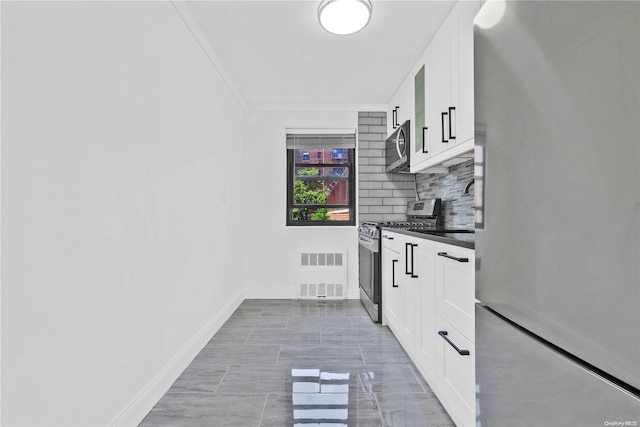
270,250
120,155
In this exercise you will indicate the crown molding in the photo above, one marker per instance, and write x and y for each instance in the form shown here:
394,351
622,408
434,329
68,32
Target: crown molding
251,108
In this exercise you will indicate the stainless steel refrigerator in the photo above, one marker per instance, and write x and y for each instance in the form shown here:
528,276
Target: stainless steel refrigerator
557,111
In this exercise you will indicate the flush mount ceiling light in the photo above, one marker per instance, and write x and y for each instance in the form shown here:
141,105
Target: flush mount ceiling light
344,16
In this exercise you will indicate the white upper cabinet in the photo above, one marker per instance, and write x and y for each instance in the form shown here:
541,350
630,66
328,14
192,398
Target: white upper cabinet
401,109
437,93
448,92
461,20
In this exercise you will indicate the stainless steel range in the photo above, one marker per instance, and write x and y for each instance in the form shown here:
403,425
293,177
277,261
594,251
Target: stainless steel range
421,215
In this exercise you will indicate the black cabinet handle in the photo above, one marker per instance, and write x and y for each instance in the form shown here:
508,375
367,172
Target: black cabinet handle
413,245
444,334
387,237
442,121
424,140
444,254
407,271
396,122
406,259
451,110
393,273
394,117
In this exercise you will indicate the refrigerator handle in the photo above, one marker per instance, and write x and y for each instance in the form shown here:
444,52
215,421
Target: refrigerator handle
442,122
393,273
444,254
394,117
451,129
444,334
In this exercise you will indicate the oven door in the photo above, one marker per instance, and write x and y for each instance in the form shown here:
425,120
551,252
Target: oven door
369,275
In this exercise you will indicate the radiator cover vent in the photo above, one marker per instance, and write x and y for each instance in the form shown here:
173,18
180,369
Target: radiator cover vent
321,275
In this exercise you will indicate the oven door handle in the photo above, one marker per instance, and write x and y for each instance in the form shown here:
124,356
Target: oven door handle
368,243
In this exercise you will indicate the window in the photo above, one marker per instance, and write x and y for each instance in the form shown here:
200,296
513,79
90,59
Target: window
321,179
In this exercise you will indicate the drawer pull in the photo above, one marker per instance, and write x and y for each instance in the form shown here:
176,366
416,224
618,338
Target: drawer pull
444,254
384,236
444,334
393,273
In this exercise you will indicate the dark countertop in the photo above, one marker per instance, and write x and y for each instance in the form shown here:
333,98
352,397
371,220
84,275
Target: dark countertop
464,240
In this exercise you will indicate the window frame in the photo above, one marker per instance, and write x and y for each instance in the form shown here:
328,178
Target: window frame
351,179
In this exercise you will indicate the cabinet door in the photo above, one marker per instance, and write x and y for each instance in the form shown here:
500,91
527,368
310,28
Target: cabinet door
391,297
455,287
426,312
401,107
391,117
410,275
419,144
438,91
406,103
461,20
455,381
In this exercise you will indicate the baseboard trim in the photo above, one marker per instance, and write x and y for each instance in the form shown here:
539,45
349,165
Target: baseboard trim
135,411
260,293
286,293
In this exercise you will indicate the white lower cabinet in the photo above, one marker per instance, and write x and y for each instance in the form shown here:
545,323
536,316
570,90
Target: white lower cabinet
427,287
455,287
391,296
400,273
455,373
425,302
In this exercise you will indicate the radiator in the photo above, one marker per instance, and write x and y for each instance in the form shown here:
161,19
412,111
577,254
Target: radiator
322,275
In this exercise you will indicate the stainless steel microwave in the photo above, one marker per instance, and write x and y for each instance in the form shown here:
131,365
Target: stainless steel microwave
397,150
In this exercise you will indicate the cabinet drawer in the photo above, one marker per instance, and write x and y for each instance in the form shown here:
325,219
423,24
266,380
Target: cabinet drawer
455,374
455,287
393,241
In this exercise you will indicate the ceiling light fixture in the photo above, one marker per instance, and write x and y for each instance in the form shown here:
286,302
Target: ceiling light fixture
344,17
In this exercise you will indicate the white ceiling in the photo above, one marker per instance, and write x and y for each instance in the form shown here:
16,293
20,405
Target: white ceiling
275,52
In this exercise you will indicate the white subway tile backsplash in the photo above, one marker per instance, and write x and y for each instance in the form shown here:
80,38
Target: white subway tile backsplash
381,209
377,161
378,176
371,121
409,192
377,137
382,196
371,201
398,185
394,201
369,185
366,169
378,129
380,193
371,153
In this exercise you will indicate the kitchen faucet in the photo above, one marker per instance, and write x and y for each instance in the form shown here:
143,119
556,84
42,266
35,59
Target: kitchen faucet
468,187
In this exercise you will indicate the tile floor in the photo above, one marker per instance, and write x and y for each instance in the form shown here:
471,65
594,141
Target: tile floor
300,363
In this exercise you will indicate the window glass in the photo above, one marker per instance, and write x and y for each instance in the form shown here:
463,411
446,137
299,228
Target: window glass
320,186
